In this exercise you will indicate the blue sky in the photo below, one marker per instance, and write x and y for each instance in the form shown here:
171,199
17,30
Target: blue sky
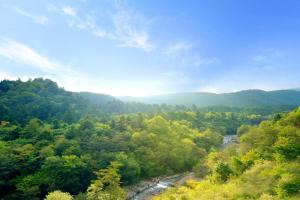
127,47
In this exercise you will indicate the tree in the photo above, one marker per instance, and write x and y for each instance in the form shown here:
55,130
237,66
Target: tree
107,185
68,173
58,195
288,143
130,169
29,187
222,172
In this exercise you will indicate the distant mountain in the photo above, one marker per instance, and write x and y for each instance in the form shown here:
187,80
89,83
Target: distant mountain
96,98
297,89
246,98
41,98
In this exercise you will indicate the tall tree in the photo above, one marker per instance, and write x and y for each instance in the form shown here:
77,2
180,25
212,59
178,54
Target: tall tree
107,185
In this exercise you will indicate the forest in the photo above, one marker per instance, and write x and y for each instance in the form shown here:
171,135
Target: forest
264,165
60,145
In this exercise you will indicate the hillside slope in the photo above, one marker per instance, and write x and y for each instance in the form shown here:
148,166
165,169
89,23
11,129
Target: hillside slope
42,98
265,165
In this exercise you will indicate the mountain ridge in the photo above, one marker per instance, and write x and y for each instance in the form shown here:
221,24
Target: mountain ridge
244,98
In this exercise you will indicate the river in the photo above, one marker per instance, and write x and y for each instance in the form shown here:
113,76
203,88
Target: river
157,187
229,139
161,185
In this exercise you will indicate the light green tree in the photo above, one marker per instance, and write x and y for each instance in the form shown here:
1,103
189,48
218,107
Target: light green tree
58,195
107,186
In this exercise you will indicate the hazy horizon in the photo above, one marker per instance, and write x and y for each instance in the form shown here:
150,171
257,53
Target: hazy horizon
139,48
155,94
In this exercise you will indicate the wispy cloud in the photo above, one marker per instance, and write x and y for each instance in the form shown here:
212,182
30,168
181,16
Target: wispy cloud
26,56
88,23
268,55
176,47
68,10
68,77
259,58
267,60
198,61
184,54
39,19
76,20
129,28
23,54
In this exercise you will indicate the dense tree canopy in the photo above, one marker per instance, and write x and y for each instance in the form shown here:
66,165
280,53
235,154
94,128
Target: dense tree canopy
264,165
59,143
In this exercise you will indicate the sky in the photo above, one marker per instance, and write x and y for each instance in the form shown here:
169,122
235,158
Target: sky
141,47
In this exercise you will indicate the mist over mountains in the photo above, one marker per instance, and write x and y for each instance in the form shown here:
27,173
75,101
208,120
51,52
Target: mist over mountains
245,98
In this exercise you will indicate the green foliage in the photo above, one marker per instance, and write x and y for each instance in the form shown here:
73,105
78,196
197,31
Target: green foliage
68,173
58,195
42,157
107,185
29,186
130,169
288,142
264,165
51,139
222,172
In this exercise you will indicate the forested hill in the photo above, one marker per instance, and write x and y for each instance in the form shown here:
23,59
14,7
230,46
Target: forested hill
264,165
42,98
52,139
96,98
246,98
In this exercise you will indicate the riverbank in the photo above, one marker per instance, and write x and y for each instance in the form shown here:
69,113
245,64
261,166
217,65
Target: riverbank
146,189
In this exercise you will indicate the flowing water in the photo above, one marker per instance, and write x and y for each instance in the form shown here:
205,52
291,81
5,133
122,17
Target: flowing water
229,139
160,186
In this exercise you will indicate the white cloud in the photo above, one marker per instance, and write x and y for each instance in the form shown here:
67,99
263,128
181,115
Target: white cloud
261,68
259,58
195,60
204,61
267,60
69,78
68,10
169,73
177,47
183,54
90,22
268,55
39,19
75,20
26,56
130,29
21,53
